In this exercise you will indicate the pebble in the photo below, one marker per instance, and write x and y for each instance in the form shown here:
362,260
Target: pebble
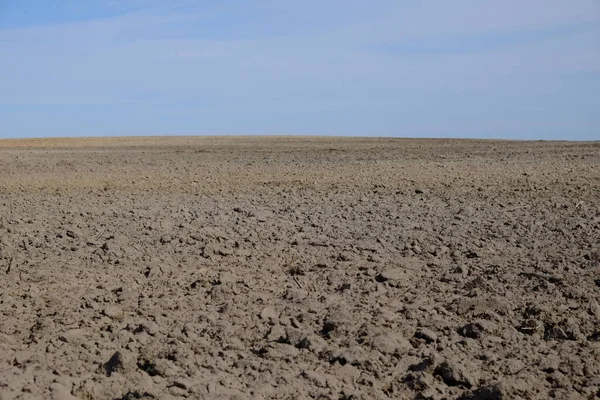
145,384
594,309
393,274
113,312
489,392
454,374
150,327
427,335
296,337
227,277
391,343
73,233
353,356
296,295
315,378
550,363
118,362
213,249
59,392
269,313
73,335
471,330
380,290
261,216
276,333
164,239
182,383
442,250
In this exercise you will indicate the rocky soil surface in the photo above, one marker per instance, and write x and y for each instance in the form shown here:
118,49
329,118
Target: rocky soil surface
299,268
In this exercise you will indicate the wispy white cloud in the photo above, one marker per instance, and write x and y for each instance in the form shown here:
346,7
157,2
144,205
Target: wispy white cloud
394,63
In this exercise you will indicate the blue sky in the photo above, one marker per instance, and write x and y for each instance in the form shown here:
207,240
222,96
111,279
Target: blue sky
462,68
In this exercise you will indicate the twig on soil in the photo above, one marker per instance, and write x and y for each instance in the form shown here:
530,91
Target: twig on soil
518,208
578,204
9,265
297,282
548,277
529,185
289,263
532,328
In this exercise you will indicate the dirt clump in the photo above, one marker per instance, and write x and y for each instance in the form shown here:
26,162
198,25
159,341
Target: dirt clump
266,268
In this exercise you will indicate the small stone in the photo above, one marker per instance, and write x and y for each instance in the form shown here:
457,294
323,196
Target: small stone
164,239
452,278
442,250
513,367
227,277
461,269
143,338
269,314
346,256
425,365
234,343
313,342
380,290
296,338
176,391
550,363
454,374
145,384
111,247
113,312
349,373
353,356
427,335
403,269
21,357
594,309
223,251
59,392
213,249
261,216
391,343
280,351
315,378
419,381
295,323
150,327
182,384
153,272
529,271
73,233
471,330
296,295
118,362
73,336
559,379
393,274
276,334
489,392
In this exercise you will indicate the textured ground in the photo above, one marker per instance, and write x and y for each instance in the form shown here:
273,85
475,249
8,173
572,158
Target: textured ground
299,268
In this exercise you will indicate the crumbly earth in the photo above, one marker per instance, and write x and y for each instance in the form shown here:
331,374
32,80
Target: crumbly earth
298,268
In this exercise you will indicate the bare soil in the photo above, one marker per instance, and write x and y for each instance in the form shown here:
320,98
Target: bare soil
297,268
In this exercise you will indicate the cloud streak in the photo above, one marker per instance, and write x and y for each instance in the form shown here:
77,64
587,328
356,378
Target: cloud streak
461,68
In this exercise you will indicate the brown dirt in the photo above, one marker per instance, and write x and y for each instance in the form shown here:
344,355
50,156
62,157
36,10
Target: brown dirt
299,268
